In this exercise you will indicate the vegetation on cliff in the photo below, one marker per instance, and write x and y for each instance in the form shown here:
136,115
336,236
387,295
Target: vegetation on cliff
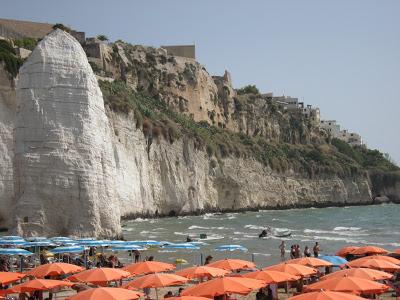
8,56
157,120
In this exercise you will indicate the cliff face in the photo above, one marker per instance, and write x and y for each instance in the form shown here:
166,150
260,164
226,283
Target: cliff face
71,167
176,179
64,166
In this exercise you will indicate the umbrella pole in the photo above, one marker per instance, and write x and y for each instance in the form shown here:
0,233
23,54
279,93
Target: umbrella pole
21,261
156,294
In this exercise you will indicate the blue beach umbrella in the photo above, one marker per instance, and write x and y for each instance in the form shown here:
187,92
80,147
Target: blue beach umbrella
85,239
12,237
61,238
115,242
186,246
14,251
145,243
335,260
68,249
231,248
93,243
43,243
12,242
127,248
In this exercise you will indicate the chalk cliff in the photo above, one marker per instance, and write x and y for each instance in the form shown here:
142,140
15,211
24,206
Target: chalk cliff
72,166
64,163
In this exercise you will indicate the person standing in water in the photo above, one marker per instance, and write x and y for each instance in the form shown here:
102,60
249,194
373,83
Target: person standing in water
282,248
307,252
316,249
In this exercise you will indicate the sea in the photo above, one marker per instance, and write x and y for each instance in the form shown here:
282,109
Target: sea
333,228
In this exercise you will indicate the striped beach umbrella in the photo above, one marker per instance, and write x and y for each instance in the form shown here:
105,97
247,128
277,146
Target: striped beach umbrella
186,246
68,249
14,251
145,243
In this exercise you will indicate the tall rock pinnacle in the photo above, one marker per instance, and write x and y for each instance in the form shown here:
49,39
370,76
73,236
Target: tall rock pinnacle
64,160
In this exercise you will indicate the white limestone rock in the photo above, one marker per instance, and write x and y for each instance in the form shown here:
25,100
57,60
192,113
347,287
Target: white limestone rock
64,163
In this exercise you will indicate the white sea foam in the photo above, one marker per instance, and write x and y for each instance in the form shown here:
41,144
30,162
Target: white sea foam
197,227
342,228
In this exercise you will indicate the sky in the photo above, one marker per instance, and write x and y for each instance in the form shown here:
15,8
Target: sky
342,56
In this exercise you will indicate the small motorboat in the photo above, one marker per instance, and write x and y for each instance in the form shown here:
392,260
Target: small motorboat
282,234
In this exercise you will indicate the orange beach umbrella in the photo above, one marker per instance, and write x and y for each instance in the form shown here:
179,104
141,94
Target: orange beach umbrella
346,250
37,285
223,286
230,264
107,293
365,273
201,271
155,281
100,276
147,267
325,295
293,269
8,277
188,298
369,250
381,257
55,269
377,264
271,276
310,262
348,284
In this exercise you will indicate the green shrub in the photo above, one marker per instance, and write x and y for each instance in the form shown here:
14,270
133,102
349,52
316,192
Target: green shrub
248,89
27,43
12,63
102,37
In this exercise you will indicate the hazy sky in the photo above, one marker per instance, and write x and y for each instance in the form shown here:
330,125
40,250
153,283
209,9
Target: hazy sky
342,55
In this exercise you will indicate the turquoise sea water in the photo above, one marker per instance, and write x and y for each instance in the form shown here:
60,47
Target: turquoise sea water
332,227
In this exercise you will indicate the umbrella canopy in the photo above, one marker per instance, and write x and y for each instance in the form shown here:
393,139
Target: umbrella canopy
12,237
271,276
365,273
55,269
188,298
37,285
8,277
187,246
231,248
232,264
100,275
155,281
310,262
145,243
293,269
201,271
107,293
374,263
14,251
368,250
334,260
40,243
381,257
348,284
12,242
68,249
325,295
346,250
223,286
147,267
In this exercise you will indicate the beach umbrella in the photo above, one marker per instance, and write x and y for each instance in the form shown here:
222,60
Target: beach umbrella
348,284
14,251
223,286
8,277
201,271
365,273
41,243
12,242
68,249
346,250
271,276
231,248
326,295
106,293
145,243
381,257
232,264
293,269
37,285
369,250
147,267
377,264
334,260
188,298
186,246
310,262
156,280
85,239
116,242
54,269
100,276
93,243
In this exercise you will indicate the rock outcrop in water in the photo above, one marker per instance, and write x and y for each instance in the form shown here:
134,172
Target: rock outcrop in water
64,163
71,167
